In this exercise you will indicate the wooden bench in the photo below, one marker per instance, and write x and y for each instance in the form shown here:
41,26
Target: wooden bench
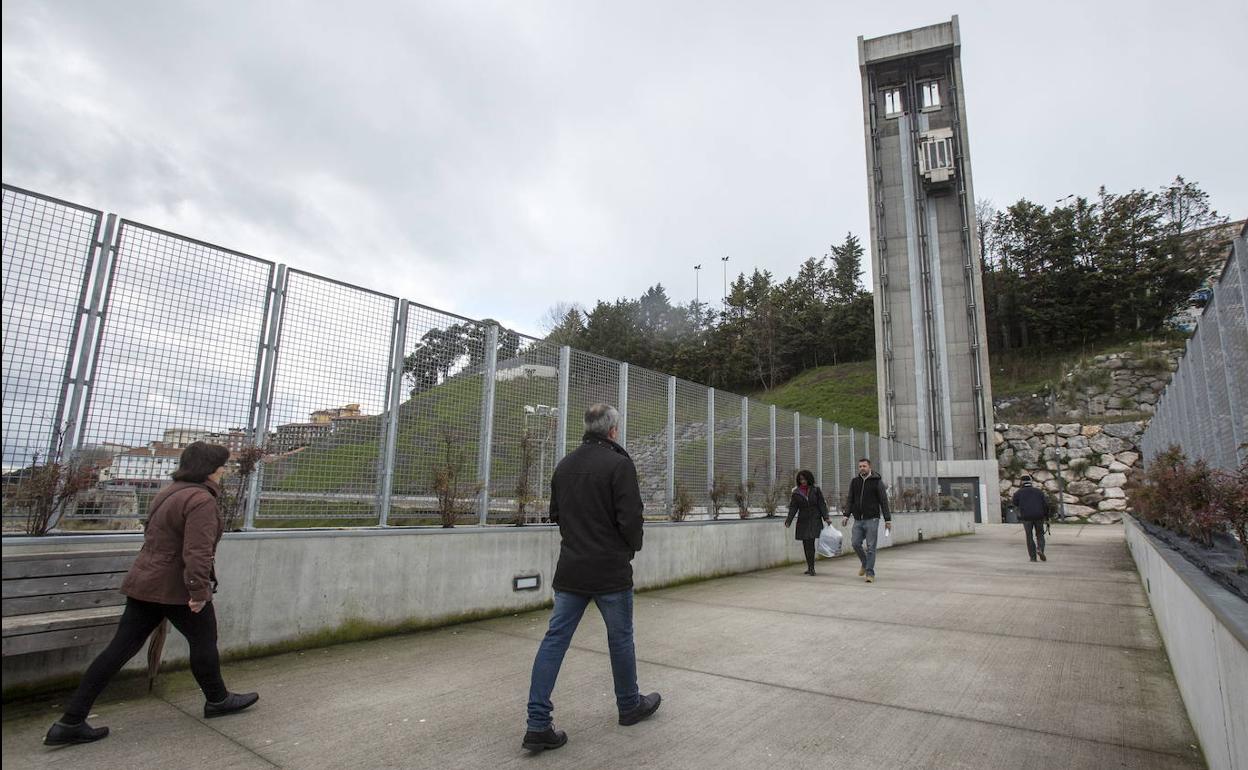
54,601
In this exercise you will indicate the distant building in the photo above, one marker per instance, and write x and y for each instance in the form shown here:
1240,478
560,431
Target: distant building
148,466
235,439
323,423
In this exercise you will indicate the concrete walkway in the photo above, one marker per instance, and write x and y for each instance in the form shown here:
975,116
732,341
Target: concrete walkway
962,655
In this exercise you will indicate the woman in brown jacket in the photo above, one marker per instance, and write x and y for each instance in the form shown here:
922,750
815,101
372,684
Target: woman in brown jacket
171,578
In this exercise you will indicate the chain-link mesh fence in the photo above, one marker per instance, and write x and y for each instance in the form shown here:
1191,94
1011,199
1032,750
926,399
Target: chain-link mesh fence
1204,409
360,408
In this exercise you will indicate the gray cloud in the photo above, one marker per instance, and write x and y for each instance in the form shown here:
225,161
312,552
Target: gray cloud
494,158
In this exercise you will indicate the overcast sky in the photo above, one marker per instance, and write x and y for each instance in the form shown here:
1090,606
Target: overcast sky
495,158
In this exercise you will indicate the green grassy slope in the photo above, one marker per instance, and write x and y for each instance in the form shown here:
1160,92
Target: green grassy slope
844,393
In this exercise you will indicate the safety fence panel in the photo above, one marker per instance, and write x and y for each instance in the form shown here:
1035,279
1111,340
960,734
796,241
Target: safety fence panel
47,261
691,443
809,445
647,436
1204,409
786,455
526,422
329,398
592,379
730,483
176,362
763,495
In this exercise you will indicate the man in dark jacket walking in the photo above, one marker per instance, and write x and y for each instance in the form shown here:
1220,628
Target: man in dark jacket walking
596,501
867,501
1033,509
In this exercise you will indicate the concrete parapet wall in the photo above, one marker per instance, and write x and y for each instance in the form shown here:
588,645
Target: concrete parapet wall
1205,629
312,586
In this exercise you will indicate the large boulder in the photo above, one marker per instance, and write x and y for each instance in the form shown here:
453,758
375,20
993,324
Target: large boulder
1112,505
1068,429
1105,517
1090,430
1079,510
1128,458
1108,444
1017,433
1117,467
1044,428
1096,473
1092,498
1122,429
1113,480
1081,487
1112,493
1077,442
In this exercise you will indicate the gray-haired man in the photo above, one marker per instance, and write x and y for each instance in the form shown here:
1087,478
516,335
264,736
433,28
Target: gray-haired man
596,501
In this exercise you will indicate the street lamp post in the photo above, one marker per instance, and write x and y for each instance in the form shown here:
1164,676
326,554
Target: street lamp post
725,261
697,272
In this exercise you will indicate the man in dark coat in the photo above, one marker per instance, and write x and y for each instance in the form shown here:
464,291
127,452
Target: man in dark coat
1034,511
868,499
596,501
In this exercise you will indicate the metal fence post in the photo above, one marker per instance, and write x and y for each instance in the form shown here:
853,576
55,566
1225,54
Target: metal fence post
836,460
623,406
394,400
819,452
771,463
264,405
485,444
561,419
853,459
105,251
797,440
710,439
745,447
671,444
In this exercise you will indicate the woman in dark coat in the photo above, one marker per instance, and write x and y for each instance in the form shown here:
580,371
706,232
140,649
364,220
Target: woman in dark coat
172,578
808,505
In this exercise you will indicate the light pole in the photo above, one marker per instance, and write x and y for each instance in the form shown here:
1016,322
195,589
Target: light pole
725,261
697,272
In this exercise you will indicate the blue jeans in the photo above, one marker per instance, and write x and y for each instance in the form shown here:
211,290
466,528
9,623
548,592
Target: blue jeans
617,612
867,531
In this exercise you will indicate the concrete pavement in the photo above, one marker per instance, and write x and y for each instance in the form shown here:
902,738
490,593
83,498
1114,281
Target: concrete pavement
963,654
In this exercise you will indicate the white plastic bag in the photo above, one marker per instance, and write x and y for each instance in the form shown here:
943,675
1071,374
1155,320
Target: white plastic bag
829,542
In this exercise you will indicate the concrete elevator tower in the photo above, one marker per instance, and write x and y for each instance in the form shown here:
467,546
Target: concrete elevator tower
930,343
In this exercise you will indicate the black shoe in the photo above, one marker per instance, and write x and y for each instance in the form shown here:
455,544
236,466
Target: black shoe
548,739
647,706
1033,558
61,734
235,701
809,572
1042,556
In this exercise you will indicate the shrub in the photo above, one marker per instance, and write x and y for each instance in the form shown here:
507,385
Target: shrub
682,505
742,497
235,488
1229,504
454,495
771,498
46,488
717,492
524,483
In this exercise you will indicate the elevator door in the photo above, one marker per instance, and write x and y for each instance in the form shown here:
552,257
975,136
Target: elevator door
961,494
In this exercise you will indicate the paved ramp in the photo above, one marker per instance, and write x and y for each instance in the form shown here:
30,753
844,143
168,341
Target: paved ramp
962,655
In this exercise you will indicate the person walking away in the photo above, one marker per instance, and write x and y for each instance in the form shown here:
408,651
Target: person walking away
172,578
868,499
808,505
1034,511
596,501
